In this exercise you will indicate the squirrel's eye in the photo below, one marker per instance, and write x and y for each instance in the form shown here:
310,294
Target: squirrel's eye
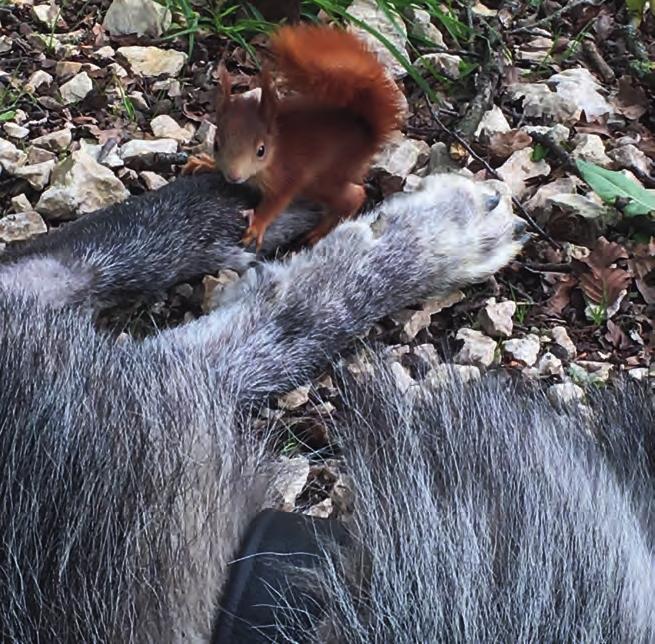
261,150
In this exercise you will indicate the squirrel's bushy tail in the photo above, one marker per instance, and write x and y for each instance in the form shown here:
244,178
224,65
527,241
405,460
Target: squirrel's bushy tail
336,67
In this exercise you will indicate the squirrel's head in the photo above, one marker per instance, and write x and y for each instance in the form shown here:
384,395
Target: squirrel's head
245,129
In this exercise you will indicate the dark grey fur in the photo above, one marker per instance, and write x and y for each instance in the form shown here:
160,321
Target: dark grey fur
485,516
129,473
186,229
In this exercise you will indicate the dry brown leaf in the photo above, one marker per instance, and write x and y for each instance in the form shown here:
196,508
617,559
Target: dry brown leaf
582,15
502,144
100,36
84,120
196,116
561,296
104,135
605,254
617,337
560,45
603,282
569,227
457,152
631,100
599,126
605,286
643,267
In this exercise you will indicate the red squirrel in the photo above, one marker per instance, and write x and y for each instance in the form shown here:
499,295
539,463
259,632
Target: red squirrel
316,143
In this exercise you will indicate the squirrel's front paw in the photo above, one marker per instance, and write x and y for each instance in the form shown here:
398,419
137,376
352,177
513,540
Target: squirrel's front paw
254,233
249,216
199,163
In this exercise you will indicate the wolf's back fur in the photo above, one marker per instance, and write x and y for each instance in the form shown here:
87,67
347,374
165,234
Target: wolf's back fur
130,470
485,515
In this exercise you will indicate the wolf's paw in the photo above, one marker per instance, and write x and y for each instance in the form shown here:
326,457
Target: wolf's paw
466,229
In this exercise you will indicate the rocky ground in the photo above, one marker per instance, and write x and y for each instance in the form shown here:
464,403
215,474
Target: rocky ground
101,99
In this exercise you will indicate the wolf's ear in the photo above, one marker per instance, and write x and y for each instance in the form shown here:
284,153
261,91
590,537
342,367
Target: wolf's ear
268,101
223,90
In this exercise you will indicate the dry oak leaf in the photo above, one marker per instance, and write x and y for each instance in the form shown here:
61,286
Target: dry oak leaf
603,282
643,266
599,126
617,337
561,296
631,100
104,135
502,144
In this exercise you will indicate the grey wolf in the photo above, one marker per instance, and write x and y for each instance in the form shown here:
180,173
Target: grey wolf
130,473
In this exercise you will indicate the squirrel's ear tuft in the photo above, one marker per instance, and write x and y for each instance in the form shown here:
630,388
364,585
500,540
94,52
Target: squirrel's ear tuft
268,101
224,90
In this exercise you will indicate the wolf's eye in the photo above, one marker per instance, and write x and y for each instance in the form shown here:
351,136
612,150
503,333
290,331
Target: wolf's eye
261,151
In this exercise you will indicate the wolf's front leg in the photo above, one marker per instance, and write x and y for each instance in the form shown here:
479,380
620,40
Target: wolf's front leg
279,324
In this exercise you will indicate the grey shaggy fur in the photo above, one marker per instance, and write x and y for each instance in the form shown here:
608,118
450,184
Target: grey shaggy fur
483,515
186,229
129,472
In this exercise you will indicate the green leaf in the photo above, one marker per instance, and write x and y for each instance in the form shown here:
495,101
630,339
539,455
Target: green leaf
7,116
466,68
610,185
635,7
447,19
539,152
640,238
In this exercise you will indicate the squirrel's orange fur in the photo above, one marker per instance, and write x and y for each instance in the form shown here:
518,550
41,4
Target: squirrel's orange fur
316,143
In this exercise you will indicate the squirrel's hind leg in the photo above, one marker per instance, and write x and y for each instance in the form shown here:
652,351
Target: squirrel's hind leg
342,204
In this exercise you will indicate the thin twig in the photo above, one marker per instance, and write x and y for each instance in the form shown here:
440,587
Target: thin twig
548,268
595,58
487,79
571,4
490,170
487,83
